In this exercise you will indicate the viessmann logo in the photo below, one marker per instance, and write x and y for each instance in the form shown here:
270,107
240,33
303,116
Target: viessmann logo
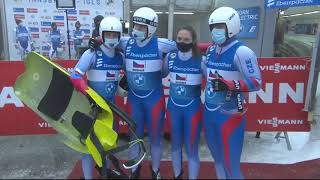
277,67
275,122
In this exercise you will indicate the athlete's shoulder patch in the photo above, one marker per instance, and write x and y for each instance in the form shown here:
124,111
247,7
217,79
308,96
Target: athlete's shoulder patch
173,55
131,41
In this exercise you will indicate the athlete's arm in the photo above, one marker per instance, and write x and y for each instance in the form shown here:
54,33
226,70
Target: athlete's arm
165,68
123,43
246,62
85,62
204,67
165,46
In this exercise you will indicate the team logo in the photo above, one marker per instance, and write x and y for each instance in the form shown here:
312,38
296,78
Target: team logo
99,53
173,55
181,91
110,87
139,79
210,91
131,41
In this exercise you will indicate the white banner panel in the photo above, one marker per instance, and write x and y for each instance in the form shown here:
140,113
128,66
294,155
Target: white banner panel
39,14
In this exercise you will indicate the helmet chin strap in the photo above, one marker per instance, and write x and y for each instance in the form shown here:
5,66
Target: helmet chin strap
144,41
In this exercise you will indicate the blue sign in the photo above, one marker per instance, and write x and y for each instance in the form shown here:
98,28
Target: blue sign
269,4
58,18
249,19
34,29
45,23
72,11
18,9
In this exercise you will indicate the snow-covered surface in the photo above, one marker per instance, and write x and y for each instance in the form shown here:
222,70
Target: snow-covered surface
43,156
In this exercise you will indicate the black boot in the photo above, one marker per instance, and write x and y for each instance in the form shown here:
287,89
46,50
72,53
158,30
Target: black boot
113,174
179,176
155,175
136,173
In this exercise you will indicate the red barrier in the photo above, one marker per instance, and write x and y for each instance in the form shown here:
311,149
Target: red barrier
277,107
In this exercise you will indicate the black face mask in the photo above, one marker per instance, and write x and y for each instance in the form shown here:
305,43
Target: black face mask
184,47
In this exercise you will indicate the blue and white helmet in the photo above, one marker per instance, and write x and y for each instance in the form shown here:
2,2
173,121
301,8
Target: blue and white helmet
146,16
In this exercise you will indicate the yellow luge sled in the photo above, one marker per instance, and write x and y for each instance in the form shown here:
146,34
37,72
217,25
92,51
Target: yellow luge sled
85,121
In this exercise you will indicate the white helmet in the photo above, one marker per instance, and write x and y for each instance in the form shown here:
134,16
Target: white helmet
146,16
111,24
228,16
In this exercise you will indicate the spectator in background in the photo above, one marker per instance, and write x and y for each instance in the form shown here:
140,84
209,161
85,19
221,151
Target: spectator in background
22,38
55,41
77,37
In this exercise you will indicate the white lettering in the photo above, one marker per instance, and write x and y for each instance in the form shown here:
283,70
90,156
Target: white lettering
44,125
275,122
296,96
266,96
8,96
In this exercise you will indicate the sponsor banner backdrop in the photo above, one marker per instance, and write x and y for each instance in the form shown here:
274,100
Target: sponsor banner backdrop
250,20
269,4
38,16
276,107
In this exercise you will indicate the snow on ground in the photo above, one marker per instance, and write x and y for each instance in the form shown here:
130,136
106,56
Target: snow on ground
43,156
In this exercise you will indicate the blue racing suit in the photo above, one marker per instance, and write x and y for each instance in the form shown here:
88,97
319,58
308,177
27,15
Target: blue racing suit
23,39
55,39
77,37
184,109
224,120
103,69
146,102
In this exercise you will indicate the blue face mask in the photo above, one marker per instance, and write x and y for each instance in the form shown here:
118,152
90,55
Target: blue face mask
111,43
218,35
138,35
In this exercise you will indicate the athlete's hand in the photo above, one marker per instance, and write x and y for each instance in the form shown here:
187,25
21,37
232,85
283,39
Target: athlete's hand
220,84
79,83
94,44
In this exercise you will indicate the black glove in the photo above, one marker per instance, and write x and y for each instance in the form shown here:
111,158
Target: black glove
123,83
93,44
219,85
